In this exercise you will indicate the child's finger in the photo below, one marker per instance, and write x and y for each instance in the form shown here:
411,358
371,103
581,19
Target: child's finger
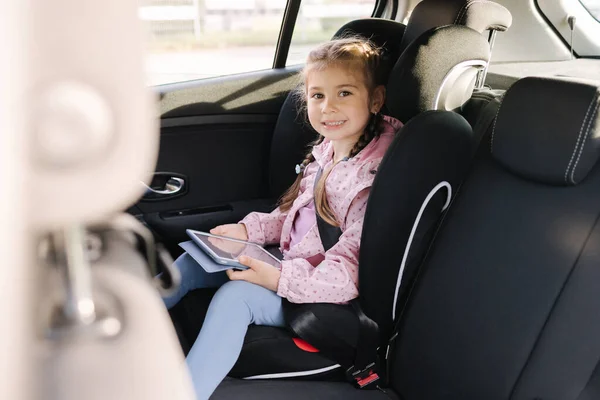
250,262
216,230
236,275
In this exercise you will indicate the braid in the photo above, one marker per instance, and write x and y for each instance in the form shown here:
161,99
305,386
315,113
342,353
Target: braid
360,144
371,131
287,199
307,160
309,156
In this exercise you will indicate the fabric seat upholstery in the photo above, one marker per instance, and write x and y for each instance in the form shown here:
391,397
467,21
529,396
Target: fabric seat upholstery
506,305
480,15
295,390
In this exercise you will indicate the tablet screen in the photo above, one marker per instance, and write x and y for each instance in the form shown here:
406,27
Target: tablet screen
232,249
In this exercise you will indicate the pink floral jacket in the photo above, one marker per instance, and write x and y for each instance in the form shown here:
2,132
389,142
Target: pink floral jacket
308,273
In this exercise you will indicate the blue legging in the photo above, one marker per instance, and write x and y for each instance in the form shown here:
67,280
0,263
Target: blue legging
236,305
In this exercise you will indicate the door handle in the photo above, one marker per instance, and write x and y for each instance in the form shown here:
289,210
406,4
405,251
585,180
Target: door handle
163,187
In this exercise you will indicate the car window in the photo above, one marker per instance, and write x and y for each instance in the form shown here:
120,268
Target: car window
195,39
583,34
318,20
593,7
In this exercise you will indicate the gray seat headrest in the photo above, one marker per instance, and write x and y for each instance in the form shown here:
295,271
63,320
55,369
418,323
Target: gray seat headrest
548,130
436,72
479,15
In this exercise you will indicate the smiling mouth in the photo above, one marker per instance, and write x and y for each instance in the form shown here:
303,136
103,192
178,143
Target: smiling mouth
333,123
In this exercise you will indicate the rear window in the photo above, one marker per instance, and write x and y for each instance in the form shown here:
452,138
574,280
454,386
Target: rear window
196,39
319,20
593,7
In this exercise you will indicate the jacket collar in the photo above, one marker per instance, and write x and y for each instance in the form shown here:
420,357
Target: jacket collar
323,152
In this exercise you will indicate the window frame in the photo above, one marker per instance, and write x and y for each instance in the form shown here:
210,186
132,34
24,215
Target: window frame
282,48
288,23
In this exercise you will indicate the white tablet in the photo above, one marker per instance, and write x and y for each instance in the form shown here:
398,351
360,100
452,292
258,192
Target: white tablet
226,251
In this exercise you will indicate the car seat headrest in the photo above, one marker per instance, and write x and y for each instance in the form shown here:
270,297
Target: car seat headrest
94,137
384,33
548,130
436,72
479,15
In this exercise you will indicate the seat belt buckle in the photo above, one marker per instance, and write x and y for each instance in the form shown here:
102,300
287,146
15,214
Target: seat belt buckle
363,377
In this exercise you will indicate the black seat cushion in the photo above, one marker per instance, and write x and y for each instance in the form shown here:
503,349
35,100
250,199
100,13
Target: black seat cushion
294,390
281,357
277,349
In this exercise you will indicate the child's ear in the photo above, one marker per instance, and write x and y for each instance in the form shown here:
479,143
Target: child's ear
378,99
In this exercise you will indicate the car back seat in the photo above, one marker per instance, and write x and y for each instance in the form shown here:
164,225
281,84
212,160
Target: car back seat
506,304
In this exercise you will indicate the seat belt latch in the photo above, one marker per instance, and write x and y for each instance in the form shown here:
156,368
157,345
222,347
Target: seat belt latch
363,377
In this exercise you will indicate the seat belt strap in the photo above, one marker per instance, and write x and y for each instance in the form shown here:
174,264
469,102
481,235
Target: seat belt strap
329,234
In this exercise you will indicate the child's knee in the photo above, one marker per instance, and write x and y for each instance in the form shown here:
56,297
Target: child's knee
262,305
233,292
238,295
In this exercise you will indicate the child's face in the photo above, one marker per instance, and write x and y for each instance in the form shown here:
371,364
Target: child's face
338,103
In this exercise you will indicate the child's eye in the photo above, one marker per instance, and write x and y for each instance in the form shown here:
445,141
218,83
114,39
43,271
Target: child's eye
317,96
345,93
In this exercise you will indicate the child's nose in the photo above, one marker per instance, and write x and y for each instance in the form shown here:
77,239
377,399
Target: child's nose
329,105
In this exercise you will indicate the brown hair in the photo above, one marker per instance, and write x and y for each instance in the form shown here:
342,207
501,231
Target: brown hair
354,53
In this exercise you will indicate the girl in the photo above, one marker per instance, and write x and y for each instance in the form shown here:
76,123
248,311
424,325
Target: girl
343,96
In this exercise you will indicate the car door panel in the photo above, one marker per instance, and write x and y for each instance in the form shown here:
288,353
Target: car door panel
261,92
170,226
216,135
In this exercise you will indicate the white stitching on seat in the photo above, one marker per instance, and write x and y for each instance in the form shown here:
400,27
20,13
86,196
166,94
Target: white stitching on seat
579,137
293,374
494,127
428,198
589,129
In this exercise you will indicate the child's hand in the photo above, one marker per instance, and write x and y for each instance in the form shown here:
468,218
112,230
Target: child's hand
260,273
235,231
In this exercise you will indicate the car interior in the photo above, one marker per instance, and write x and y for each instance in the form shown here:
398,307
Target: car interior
480,250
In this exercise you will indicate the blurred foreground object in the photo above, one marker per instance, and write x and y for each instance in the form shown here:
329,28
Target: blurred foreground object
81,318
